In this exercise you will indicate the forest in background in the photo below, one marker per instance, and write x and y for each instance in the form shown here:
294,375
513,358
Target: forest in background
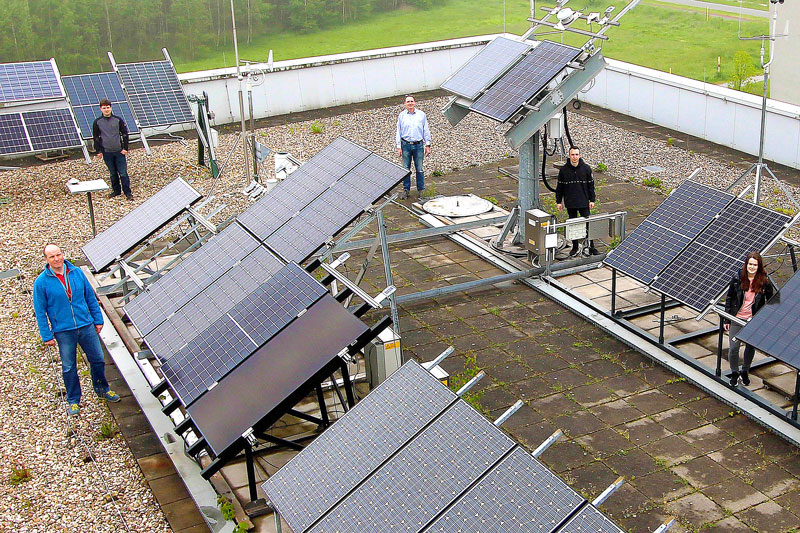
78,33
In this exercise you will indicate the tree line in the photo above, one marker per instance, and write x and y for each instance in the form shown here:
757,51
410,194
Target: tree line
78,33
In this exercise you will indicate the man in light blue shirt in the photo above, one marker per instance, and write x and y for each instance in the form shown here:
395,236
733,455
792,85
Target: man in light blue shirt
413,139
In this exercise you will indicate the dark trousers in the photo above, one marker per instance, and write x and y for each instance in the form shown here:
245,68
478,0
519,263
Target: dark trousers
415,152
573,212
68,342
118,168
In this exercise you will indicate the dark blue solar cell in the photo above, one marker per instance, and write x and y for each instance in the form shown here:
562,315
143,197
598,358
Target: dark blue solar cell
32,80
51,129
12,135
155,93
85,92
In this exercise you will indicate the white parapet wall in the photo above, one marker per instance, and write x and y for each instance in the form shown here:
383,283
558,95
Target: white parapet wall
718,114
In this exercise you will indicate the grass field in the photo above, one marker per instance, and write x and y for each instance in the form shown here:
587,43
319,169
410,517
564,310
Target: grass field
650,35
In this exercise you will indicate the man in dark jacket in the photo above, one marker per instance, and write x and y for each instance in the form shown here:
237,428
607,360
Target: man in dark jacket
68,314
575,190
110,135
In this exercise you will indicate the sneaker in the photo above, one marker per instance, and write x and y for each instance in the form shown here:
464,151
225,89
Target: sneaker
129,196
593,251
111,396
745,378
114,194
404,194
734,378
574,252
73,409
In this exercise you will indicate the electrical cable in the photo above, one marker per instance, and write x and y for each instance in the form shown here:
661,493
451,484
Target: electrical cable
544,162
566,128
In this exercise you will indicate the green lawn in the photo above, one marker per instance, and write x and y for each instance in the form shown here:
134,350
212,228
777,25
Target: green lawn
751,4
653,36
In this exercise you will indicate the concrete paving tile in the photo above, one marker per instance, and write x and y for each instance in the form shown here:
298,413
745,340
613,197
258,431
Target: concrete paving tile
606,441
741,427
626,385
532,388
599,274
156,466
651,401
671,450
728,525
647,519
168,489
643,431
591,479
710,409
535,326
474,342
544,363
435,316
485,322
632,463
695,350
696,509
182,514
579,423
497,398
467,309
592,395
774,481
708,438
656,376
576,353
678,419
682,391
524,416
567,377
565,456
738,458
702,472
616,412
769,516
735,495
554,405
771,446
505,334
602,369
663,485
633,360
627,501
535,434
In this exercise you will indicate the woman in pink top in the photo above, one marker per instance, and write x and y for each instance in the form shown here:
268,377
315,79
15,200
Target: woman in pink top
747,293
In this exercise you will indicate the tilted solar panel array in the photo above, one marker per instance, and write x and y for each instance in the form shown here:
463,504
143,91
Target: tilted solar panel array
31,80
155,93
35,131
85,92
140,223
13,137
485,67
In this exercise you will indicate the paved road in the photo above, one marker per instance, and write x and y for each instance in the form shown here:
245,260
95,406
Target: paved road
721,7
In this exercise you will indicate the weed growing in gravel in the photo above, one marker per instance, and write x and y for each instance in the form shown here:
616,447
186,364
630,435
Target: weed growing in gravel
670,141
317,127
437,173
614,242
491,199
226,507
108,430
601,167
652,181
19,473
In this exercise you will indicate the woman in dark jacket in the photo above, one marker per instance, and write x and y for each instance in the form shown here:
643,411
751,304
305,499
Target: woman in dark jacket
747,293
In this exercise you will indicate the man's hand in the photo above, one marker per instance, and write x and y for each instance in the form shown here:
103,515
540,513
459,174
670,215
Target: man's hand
124,152
400,152
591,205
559,206
428,149
727,327
51,342
99,328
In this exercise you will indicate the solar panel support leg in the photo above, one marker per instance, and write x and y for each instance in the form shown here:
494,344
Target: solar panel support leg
365,264
143,138
387,270
348,384
336,388
718,371
793,255
251,472
613,291
323,408
661,321
796,393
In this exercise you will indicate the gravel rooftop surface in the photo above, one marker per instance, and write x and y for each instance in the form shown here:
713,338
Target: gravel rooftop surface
65,492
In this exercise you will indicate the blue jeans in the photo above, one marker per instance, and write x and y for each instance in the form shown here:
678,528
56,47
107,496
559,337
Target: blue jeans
68,349
118,168
417,152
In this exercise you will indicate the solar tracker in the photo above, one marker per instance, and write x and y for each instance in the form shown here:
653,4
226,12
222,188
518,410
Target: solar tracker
485,67
775,329
380,424
155,93
85,92
32,80
51,129
667,230
700,273
13,138
407,491
317,223
302,186
189,277
239,332
519,495
137,225
524,80
205,308
274,372
590,520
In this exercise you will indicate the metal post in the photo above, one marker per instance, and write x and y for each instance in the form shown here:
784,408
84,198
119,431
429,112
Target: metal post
322,407
251,472
348,385
387,269
528,180
252,130
760,166
243,134
661,326
796,392
718,371
613,290
793,255
91,214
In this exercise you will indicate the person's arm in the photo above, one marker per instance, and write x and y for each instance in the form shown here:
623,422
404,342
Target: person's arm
397,134
560,191
426,133
769,290
123,133
592,196
98,142
40,309
91,300
730,303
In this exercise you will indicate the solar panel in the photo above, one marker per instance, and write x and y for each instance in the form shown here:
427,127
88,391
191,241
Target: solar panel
32,80
667,230
775,329
137,225
189,277
205,308
424,477
317,223
524,80
590,520
485,67
379,425
13,138
302,186
702,271
274,372
85,92
239,332
519,495
51,129
155,93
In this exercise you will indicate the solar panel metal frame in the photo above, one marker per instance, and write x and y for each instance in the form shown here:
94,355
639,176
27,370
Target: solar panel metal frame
774,328
52,129
661,236
84,92
147,96
241,330
140,223
522,82
698,289
190,277
226,411
427,475
13,135
35,74
384,421
590,520
485,67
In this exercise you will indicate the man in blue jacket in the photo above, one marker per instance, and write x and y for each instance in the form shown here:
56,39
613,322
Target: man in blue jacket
68,314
